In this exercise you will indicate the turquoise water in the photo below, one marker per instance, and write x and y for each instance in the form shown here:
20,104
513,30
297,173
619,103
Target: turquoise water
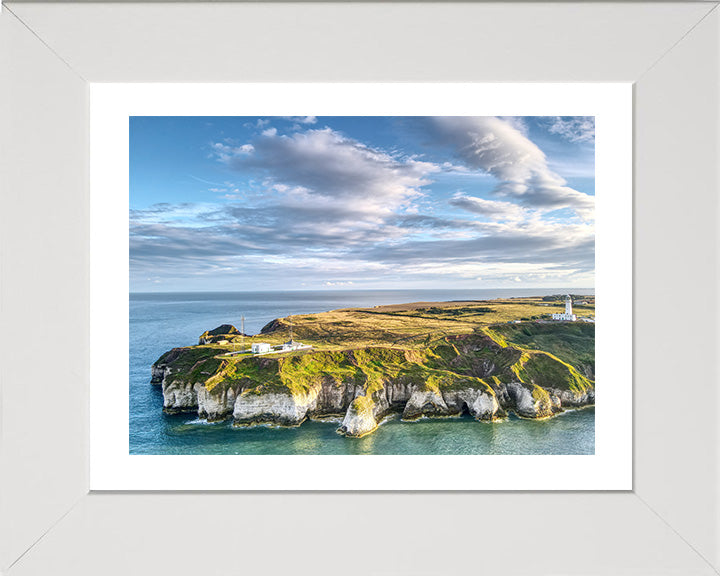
159,322
569,433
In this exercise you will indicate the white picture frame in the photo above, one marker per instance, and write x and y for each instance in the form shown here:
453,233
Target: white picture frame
668,523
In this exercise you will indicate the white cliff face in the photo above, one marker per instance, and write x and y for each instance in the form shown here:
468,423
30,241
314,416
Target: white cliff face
524,403
568,398
398,392
359,419
179,396
334,397
159,373
215,406
481,405
528,406
425,402
361,415
282,408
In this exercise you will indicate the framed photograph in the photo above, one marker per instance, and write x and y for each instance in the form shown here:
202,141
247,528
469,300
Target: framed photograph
367,277
447,210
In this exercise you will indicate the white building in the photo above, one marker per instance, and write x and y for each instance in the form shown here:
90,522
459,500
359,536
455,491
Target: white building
292,345
568,315
260,348
264,348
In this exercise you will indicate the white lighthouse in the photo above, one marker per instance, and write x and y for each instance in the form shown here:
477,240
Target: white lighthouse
568,316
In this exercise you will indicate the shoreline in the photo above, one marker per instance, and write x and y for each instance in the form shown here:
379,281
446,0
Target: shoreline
393,438
394,416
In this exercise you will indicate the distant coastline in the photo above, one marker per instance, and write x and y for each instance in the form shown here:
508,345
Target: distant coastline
483,293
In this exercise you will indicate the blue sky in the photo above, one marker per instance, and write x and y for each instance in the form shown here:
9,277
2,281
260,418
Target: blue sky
307,203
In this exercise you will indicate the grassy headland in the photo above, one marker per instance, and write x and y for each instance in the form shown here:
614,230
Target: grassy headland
422,358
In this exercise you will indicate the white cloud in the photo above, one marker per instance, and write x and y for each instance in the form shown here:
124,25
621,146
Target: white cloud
501,149
322,169
191,215
491,208
225,152
320,207
302,119
517,122
574,128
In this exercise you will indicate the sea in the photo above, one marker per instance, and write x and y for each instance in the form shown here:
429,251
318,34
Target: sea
161,321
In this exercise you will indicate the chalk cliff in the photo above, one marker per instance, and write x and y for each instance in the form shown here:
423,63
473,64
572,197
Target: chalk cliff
480,374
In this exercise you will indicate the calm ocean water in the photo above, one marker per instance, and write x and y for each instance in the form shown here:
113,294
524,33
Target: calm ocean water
159,322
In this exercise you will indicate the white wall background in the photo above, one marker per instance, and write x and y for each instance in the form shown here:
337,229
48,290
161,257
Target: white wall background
668,526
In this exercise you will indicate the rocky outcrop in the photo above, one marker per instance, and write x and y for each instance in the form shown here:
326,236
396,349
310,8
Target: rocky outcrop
272,326
361,418
471,374
222,333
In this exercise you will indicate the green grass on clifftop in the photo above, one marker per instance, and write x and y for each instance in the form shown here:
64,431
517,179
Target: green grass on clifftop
435,346
572,342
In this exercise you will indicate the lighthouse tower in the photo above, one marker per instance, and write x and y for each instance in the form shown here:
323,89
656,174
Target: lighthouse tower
568,315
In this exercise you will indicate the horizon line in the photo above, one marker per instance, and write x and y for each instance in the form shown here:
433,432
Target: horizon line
560,289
